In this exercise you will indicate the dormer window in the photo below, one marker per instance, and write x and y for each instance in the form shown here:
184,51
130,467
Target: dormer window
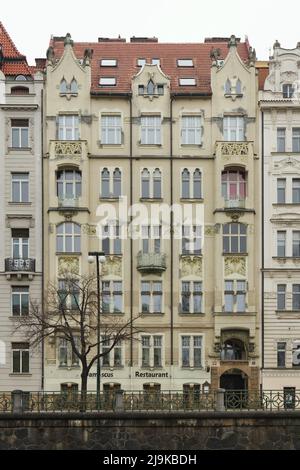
141,62
233,87
155,61
228,87
20,78
187,82
74,86
107,81
287,90
19,90
63,86
108,63
185,63
141,90
66,88
238,87
150,88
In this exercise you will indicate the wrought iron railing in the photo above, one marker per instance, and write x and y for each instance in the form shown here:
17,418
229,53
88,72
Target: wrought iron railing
20,265
150,401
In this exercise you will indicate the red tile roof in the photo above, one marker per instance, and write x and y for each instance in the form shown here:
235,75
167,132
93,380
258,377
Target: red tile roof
128,53
11,61
263,72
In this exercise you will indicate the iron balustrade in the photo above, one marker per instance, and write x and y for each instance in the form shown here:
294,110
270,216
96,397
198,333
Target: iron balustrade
20,265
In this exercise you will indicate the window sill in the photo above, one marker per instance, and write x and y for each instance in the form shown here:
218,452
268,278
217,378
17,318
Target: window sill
112,313
69,367
68,253
282,204
286,258
184,314
191,145
111,199
151,199
20,374
150,145
101,145
197,255
13,203
19,149
191,199
234,254
148,314
108,368
192,368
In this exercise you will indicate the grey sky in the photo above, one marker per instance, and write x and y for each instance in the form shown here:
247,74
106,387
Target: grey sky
31,22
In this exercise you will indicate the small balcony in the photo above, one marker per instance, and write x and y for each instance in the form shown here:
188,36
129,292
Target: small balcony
235,203
151,262
68,202
68,149
20,265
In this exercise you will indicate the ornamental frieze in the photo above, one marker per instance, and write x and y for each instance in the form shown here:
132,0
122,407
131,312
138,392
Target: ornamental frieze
191,265
68,264
68,148
232,149
235,265
112,266
89,229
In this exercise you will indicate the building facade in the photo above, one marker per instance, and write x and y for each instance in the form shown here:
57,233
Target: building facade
20,214
157,125
280,117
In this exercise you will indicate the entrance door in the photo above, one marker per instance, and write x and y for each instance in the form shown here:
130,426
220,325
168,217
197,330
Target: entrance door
235,384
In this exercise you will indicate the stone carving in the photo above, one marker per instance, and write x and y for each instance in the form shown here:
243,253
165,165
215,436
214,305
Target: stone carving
89,229
252,56
88,54
232,41
276,44
50,55
112,266
211,230
68,148
68,40
191,265
68,264
235,149
215,53
235,265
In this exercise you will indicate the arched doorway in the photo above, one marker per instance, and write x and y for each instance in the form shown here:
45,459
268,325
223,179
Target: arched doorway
234,379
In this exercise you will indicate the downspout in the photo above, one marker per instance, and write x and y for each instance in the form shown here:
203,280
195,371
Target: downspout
131,240
263,242
171,232
43,234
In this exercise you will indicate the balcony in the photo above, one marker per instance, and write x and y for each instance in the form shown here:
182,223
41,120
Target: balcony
68,202
235,203
151,262
234,151
67,149
20,265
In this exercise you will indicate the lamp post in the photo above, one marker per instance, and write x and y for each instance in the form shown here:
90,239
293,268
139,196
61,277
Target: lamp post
100,258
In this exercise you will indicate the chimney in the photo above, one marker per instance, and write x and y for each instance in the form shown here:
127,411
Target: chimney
143,39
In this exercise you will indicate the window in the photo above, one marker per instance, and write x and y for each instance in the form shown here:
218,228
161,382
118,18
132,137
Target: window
20,187
191,130
20,301
20,358
151,239
191,351
141,89
234,185
288,90
63,88
296,191
185,184
111,130
296,243
281,296
227,87
155,61
150,88
150,130
160,89
296,353
66,355
74,86
112,357
281,243
141,62
151,296
19,90
20,133
233,350
296,296
20,78
281,188
111,239
68,184
185,63
108,81
187,82
280,139
235,296
234,128
296,139
234,238
112,296
68,294
281,353
68,236
188,190
152,347
111,183
191,297
68,127
20,243
151,183
191,243
108,63
238,89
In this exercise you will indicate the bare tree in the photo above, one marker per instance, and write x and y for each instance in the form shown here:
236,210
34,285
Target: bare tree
70,313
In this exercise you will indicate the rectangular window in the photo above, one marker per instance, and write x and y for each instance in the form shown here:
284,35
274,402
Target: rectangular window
296,243
191,242
281,352
185,63
281,297
20,187
191,130
157,351
296,353
296,191
281,188
296,139
151,239
191,297
108,81
281,243
296,296
146,351
229,296
233,128
108,62
141,62
20,301
68,127
111,130
20,133
280,139
20,358
235,296
191,351
187,82
112,357
150,130
66,355
151,297
112,296
111,239
155,61
287,90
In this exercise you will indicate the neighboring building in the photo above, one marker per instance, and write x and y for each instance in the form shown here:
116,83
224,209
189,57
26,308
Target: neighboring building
280,115
158,124
20,213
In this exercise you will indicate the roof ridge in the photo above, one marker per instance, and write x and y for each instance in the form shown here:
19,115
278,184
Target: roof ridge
10,41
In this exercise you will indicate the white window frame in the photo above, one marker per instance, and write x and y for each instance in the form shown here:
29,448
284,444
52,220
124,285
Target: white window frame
229,129
187,81
192,293
64,235
191,124
111,128
108,63
107,81
147,126
192,172
112,232
64,182
191,350
63,128
20,182
235,292
111,171
151,351
186,63
63,343
22,243
192,233
152,175
20,130
20,350
151,233
151,294
110,292
20,292
111,355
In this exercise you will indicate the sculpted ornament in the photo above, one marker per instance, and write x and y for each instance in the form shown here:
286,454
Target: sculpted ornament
191,265
235,265
68,264
112,266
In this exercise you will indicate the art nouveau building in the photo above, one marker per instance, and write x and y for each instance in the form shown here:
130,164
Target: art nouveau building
157,124
280,117
20,213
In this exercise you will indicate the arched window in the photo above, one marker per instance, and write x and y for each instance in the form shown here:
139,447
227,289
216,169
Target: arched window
117,180
68,183
74,86
197,190
234,238
145,183
234,185
105,177
233,350
238,87
19,90
20,78
227,87
68,236
185,183
157,183
63,86
150,88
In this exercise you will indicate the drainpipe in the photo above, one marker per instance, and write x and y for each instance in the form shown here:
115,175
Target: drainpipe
171,232
131,240
262,242
43,234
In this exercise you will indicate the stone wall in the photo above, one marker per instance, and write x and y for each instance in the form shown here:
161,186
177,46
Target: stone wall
151,431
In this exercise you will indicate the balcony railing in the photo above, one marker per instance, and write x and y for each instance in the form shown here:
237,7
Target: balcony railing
20,265
151,262
235,203
68,147
68,201
232,149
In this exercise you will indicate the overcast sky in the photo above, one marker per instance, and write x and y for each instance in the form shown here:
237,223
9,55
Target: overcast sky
31,22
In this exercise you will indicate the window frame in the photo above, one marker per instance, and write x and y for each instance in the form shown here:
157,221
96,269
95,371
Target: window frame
17,348
114,128
65,235
230,236
64,128
147,128
238,129
151,294
191,351
150,347
19,130
110,293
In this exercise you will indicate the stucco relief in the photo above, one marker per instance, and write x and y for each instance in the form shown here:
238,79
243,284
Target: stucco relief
112,266
235,265
68,264
89,229
211,230
235,149
68,148
191,265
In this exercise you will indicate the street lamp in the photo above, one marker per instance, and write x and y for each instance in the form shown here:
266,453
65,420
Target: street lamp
100,259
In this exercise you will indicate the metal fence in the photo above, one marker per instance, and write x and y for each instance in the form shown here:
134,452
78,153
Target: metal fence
163,401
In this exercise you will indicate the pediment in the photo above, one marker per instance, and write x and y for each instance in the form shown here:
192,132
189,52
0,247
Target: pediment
287,165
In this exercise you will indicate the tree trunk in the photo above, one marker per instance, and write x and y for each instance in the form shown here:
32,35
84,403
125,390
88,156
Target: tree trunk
84,381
